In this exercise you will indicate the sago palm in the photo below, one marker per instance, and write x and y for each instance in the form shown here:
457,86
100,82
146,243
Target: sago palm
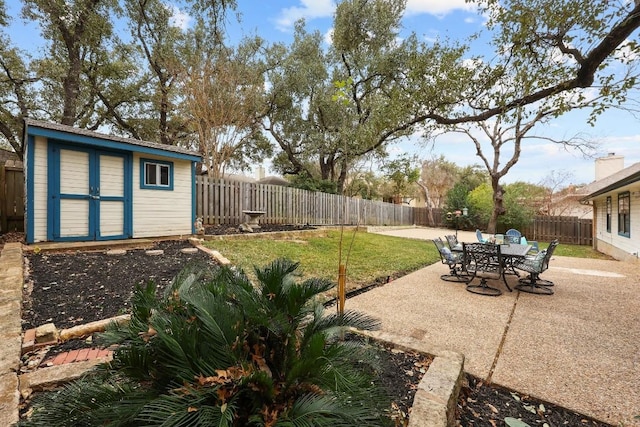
219,350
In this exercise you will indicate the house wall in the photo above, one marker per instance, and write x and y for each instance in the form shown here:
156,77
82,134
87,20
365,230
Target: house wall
611,243
163,212
40,189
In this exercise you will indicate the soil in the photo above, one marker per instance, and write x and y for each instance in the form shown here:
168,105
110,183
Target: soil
72,288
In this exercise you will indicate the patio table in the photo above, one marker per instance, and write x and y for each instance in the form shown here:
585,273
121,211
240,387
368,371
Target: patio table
509,253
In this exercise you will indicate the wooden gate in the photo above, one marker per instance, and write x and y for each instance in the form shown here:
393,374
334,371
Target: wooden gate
11,196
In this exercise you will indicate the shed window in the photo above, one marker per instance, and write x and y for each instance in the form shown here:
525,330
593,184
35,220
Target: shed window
608,214
624,219
156,174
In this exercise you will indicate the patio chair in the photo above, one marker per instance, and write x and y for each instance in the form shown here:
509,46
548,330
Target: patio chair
534,247
512,236
453,260
452,241
483,260
536,265
479,236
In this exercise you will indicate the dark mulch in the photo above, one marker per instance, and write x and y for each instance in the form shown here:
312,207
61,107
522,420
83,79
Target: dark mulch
78,287
264,228
480,404
74,288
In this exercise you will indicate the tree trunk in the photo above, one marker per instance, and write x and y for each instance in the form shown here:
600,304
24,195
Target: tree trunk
498,206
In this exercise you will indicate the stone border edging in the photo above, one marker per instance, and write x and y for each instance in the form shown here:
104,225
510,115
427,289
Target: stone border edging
434,404
11,282
40,379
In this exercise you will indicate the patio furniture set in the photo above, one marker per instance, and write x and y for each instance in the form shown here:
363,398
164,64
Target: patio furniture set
495,257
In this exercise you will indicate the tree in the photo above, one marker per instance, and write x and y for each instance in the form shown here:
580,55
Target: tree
401,174
522,201
218,350
77,33
332,108
223,91
506,134
16,94
437,177
385,89
161,45
561,195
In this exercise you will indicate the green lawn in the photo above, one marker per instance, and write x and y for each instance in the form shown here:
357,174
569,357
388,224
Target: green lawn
372,256
577,251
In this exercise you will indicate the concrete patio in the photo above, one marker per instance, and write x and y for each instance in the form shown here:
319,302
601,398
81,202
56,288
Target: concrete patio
579,348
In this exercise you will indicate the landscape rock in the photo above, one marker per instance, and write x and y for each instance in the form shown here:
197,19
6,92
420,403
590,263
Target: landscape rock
46,333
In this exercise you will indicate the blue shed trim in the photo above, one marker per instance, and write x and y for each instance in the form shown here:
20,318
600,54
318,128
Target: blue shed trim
193,197
53,203
54,194
30,208
107,144
144,186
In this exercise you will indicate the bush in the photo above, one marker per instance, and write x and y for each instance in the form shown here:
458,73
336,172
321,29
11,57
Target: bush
217,350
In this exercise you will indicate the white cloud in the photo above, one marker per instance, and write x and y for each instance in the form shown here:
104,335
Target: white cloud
308,9
178,18
436,7
328,36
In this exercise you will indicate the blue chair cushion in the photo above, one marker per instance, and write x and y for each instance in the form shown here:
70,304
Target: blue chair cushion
448,255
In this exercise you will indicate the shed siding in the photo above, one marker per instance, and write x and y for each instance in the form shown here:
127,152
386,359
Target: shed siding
74,179
40,189
162,212
629,245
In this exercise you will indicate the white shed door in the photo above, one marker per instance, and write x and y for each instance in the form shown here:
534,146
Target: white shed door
89,194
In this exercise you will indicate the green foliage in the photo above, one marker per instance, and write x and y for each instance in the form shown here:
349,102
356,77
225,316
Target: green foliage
521,201
217,350
306,182
469,179
402,172
480,202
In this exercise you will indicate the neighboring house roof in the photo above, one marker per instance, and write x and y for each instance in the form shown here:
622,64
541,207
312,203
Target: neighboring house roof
55,130
619,179
274,180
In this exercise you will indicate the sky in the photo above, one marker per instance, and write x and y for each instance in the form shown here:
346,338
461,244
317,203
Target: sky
616,131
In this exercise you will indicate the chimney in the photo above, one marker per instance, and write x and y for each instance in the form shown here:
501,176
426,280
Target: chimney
260,172
608,165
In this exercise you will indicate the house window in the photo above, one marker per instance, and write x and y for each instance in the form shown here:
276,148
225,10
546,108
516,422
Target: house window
624,219
156,174
608,214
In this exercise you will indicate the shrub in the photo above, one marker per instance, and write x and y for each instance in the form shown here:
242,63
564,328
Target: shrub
217,350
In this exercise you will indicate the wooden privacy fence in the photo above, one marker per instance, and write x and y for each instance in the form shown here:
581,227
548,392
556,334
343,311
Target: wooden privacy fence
567,229
221,201
11,196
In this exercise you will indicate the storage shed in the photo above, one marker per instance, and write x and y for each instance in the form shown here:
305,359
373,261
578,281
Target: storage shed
83,185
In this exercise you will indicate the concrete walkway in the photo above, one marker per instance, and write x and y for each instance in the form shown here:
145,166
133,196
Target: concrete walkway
579,348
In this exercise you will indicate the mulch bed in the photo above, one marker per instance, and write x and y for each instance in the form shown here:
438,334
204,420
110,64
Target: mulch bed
72,288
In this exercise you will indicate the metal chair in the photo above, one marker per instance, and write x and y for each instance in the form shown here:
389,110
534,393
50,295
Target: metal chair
452,241
483,260
535,266
454,261
513,236
479,236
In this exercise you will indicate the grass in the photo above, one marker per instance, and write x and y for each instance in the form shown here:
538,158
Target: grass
576,251
373,257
